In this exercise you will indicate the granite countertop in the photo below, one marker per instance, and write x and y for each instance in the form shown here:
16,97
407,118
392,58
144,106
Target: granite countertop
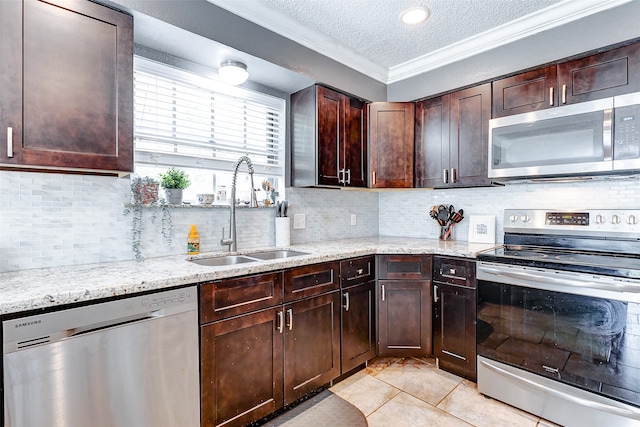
48,287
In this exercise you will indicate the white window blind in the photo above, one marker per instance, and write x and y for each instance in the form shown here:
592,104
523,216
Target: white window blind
182,119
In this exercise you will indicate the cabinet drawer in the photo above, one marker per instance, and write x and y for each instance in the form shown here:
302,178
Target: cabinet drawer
357,270
456,271
404,267
232,297
311,280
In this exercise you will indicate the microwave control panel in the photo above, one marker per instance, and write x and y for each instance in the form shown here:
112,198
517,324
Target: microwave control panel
627,132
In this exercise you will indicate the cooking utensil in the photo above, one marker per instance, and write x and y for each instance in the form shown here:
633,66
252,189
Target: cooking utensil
443,215
433,213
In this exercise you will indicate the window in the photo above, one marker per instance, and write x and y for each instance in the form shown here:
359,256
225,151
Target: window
203,126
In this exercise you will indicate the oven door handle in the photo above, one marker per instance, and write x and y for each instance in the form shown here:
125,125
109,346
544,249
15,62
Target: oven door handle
604,285
629,413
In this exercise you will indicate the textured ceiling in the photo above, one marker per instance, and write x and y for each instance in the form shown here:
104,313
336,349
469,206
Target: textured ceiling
372,28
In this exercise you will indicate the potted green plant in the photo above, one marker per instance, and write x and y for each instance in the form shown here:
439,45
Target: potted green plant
173,182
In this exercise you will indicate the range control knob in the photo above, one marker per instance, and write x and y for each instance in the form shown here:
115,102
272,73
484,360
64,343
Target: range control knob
615,219
525,218
600,219
632,220
513,217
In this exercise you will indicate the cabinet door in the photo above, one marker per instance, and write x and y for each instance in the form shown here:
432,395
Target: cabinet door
311,344
525,92
241,368
609,73
432,142
469,132
67,85
391,144
355,141
330,142
454,329
404,318
358,325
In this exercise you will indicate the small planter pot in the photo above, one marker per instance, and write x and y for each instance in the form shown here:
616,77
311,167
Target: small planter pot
173,195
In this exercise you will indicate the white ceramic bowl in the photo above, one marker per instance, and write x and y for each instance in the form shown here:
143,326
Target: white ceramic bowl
205,199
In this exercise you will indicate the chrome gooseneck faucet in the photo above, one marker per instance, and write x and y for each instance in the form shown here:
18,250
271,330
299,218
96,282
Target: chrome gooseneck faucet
231,241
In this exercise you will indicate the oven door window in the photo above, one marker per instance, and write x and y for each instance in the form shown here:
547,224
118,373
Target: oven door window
587,342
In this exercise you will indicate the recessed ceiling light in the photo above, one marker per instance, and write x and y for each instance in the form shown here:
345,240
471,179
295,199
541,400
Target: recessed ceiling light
415,15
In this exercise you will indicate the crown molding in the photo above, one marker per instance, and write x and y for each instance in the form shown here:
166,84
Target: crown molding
286,26
545,19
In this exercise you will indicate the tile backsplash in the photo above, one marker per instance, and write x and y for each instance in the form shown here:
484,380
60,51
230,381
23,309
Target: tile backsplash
49,219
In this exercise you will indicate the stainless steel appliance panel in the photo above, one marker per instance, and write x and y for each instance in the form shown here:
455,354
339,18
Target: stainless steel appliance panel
565,405
565,140
131,362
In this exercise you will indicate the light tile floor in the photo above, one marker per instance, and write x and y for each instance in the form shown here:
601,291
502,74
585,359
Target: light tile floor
413,392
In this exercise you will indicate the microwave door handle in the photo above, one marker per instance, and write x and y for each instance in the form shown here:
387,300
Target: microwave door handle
607,134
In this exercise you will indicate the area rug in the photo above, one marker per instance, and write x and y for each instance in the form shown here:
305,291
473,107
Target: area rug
322,410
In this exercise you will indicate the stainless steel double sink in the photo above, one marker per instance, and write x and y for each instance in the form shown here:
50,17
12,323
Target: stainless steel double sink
219,261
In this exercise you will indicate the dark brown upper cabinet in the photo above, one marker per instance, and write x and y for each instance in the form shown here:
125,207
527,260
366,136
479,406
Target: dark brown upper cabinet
328,138
67,86
604,74
451,139
391,147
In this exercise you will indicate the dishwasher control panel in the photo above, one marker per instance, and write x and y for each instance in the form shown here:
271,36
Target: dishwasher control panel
155,301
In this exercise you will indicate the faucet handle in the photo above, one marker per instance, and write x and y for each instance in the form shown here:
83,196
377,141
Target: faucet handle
224,241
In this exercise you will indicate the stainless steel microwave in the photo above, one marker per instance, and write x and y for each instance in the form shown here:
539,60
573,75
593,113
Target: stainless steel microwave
590,138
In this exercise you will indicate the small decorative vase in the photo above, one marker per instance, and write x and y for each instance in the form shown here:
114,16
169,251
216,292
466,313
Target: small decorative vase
173,195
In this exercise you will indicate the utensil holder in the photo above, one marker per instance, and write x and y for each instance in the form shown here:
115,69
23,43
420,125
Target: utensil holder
283,232
446,232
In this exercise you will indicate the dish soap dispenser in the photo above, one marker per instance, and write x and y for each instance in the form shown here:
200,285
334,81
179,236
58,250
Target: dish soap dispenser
193,241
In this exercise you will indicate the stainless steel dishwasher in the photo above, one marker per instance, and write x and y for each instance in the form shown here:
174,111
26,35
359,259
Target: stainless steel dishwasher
126,363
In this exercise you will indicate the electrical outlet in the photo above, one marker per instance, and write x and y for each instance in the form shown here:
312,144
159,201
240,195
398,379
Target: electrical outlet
299,222
353,219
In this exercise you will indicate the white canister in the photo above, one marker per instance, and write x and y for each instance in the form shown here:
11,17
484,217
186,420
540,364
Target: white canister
283,232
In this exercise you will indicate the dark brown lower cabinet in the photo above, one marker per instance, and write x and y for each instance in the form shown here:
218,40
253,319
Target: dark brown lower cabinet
404,318
454,316
358,325
242,371
311,344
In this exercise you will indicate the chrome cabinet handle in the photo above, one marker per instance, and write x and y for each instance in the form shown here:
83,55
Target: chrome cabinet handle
290,316
373,178
281,319
564,94
435,293
9,142
445,176
346,301
348,176
360,271
341,176
551,96
454,176
382,292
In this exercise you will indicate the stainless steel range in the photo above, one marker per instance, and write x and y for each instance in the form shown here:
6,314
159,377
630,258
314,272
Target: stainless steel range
559,316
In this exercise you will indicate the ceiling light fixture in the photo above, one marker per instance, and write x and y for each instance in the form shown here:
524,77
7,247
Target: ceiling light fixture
415,15
233,72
